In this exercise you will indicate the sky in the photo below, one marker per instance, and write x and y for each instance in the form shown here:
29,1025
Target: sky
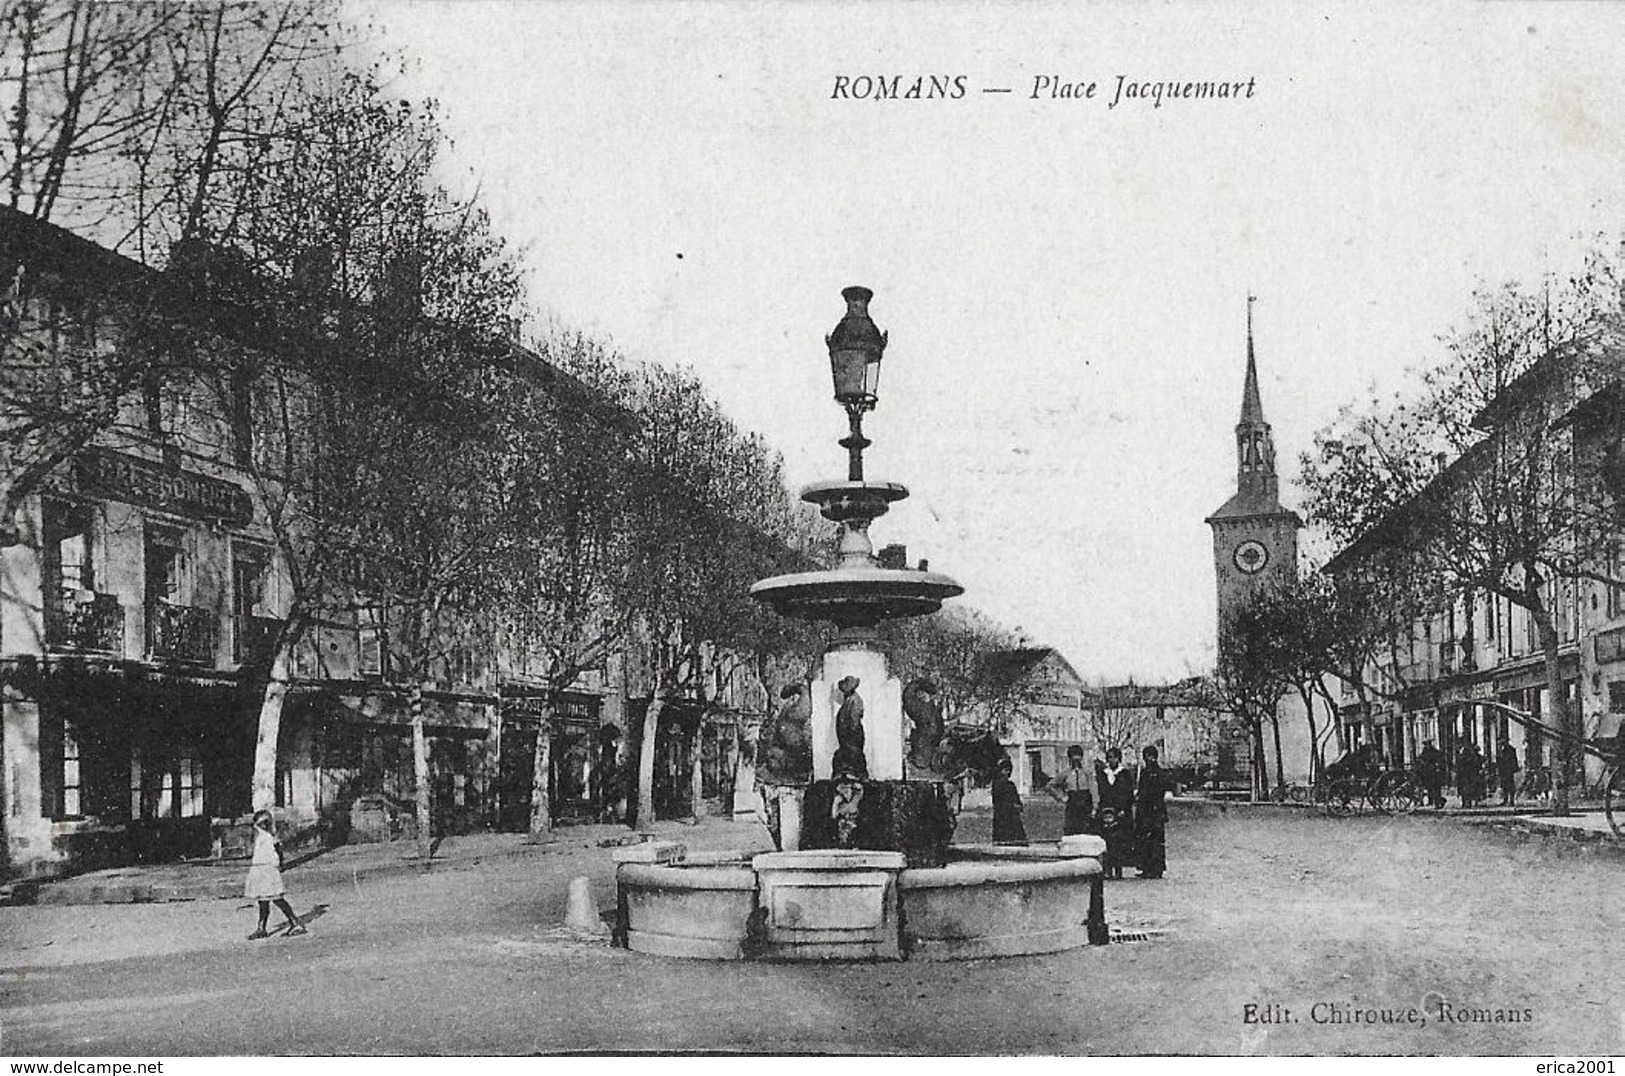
1064,282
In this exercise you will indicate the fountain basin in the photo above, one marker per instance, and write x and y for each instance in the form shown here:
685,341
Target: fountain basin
853,499
700,909
855,905
1003,906
856,595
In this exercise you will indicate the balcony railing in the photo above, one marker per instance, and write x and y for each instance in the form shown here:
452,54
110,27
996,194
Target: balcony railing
84,621
252,637
182,633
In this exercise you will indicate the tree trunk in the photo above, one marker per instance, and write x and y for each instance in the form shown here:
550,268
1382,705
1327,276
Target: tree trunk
270,730
1260,767
541,773
696,775
420,771
1314,731
646,761
1280,770
1563,749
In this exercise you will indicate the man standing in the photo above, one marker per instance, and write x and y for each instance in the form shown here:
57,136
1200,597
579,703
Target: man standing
1151,815
1470,775
1506,767
1072,788
1430,773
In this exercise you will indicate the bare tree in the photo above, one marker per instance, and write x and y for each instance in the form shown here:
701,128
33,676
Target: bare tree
1475,479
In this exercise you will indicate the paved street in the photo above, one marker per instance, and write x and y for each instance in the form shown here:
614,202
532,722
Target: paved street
1261,906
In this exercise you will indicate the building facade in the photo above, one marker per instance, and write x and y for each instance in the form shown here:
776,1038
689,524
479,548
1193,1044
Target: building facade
1473,671
142,588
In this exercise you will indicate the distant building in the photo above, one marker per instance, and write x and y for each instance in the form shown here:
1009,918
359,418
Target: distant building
1045,707
1039,713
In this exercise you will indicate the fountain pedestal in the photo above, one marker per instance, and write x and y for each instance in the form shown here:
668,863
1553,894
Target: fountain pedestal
833,905
910,817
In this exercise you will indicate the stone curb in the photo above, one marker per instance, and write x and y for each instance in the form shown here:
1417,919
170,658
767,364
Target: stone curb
1574,834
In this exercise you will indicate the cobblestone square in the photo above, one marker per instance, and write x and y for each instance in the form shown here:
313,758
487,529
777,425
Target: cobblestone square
1321,925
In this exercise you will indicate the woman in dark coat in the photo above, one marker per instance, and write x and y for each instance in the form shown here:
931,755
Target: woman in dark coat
1151,816
1072,788
1114,785
1008,827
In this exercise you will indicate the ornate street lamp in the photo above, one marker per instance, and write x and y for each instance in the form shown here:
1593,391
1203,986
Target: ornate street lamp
855,350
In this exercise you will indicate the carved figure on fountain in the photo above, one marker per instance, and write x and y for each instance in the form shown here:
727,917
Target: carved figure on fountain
849,760
784,756
926,730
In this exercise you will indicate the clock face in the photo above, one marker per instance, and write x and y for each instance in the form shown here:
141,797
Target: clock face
1251,556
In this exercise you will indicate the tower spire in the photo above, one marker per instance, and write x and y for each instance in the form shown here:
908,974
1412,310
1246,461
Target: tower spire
1255,449
1252,409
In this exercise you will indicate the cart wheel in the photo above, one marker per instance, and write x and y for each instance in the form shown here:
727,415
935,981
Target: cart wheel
1381,794
1614,801
1342,798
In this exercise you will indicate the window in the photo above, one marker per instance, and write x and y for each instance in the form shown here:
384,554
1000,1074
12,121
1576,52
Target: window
72,782
1616,591
166,784
372,637
242,417
1616,697
152,400
166,566
716,760
190,792
68,550
248,586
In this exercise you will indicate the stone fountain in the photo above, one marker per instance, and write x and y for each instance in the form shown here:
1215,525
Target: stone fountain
866,869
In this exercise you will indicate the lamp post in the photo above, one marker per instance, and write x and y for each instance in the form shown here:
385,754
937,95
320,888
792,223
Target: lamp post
855,350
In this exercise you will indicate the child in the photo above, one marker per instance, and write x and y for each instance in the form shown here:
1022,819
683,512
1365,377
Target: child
265,878
1112,828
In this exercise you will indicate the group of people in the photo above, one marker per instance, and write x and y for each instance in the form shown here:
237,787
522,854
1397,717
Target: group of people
1473,774
1129,811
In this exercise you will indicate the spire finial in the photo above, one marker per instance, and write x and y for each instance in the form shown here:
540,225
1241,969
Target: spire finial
1251,299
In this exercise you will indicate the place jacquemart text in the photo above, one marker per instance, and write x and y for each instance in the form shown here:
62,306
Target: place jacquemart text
1112,91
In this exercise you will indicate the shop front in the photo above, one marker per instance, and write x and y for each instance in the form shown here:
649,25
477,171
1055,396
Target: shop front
128,767
347,761
573,721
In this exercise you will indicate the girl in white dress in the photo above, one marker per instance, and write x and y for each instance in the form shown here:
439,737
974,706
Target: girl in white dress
265,878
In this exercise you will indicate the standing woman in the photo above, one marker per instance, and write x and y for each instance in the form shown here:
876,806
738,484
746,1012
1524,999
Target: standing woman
1114,786
265,878
1072,788
1151,816
1008,827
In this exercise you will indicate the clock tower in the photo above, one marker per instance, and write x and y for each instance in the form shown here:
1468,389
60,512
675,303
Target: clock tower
1255,539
